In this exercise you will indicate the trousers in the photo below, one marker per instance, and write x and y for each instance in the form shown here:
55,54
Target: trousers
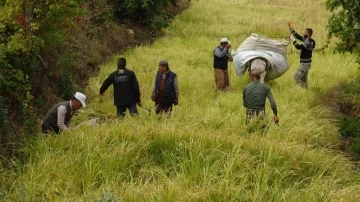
301,74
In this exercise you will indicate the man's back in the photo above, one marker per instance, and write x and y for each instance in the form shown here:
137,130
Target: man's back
254,95
126,87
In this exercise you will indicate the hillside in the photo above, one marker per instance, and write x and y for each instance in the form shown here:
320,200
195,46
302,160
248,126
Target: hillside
204,151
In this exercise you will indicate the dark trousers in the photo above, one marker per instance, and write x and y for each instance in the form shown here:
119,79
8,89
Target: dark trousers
255,113
256,120
121,109
46,129
161,106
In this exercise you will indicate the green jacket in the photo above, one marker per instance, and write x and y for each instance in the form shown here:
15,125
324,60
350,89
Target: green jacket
255,94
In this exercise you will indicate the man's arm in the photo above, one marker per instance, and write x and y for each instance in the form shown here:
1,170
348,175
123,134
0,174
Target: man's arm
244,103
61,112
307,44
106,84
153,90
298,46
136,88
176,87
296,35
273,106
272,102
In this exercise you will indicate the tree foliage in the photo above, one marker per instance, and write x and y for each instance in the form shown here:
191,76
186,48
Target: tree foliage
152,12
345,24
29,30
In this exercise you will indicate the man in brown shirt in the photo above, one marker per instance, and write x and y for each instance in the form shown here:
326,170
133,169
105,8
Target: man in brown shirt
165,91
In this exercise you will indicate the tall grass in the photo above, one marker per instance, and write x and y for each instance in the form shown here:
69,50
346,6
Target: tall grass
204,151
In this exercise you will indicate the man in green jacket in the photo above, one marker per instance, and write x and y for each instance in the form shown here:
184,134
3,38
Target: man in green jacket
59,117
254,98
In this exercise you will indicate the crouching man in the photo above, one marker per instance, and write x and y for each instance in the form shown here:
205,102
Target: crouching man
59,117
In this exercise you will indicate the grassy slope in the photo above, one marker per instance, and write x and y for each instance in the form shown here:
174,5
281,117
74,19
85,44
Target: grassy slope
204,152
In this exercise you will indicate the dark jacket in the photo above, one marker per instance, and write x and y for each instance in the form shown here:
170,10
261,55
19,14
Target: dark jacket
221,62
126,87
51,118
170,94
254,97
306,47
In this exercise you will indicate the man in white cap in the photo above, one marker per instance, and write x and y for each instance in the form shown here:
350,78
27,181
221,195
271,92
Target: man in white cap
221,58
59,117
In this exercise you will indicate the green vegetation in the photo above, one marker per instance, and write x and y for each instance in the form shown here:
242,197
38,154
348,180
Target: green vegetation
203,152
348,101
49,49
345,25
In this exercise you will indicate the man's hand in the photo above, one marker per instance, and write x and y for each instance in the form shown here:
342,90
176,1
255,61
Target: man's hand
276,120
228,46
290,27
153,97
139,104
292,38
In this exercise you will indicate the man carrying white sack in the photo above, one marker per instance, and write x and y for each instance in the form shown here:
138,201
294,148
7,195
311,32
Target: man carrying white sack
263,54
261,65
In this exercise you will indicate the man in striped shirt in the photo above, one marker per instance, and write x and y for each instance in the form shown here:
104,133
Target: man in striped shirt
307,47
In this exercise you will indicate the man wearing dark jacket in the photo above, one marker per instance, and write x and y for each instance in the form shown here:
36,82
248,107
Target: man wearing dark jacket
126,89
166,90
221,58
307,47
254,98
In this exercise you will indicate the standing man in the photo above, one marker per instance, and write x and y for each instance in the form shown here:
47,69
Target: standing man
59,117
307,47
126,89
165,91
254,98
221,58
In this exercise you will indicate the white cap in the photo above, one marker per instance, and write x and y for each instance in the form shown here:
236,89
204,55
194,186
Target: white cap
224,40
81,97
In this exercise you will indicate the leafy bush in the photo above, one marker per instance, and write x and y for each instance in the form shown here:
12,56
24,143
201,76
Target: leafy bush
349,123
349,126
151,12
355,147
349,98
345,25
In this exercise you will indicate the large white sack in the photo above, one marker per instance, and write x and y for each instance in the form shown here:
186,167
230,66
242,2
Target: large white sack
278,64
257,42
